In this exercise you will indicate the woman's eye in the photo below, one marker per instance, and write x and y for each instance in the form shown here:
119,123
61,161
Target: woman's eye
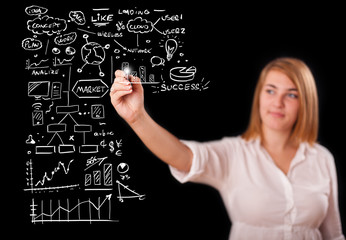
292,95
270,91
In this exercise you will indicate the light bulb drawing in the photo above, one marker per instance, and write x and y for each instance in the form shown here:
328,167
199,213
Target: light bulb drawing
170,46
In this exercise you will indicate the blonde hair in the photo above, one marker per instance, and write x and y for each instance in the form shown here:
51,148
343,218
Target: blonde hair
306,127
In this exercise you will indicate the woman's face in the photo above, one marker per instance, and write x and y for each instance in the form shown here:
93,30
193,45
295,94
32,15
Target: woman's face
278,102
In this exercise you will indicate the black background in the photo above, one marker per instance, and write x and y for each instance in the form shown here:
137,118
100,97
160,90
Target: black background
230,43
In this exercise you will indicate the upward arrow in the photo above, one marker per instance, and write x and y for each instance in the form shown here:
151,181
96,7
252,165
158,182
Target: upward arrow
109,196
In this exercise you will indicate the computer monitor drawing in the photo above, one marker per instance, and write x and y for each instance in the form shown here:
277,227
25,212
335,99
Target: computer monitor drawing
38,89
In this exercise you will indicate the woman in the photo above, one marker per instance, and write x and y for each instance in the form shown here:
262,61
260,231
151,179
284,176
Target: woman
275,180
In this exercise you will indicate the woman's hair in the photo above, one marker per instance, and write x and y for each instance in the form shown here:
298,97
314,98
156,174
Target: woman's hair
305,128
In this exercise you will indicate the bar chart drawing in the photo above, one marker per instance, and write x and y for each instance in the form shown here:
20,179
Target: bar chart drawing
100,177
72,211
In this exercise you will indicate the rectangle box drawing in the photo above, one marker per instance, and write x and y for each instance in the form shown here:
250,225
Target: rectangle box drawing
67,109
37,117
66,148
107,174
45,149
38,89
97,111
82,128
56,90
97,177
88,149
87,179
56,127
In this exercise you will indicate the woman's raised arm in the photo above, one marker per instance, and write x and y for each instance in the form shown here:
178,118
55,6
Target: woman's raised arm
127,97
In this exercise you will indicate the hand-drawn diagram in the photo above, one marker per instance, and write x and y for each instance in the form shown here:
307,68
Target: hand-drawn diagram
72,211
71,145
93,54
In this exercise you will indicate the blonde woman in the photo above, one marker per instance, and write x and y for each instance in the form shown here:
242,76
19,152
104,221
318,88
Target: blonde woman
275,180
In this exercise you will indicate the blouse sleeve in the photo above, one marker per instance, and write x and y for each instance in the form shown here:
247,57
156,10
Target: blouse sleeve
210,164
331,225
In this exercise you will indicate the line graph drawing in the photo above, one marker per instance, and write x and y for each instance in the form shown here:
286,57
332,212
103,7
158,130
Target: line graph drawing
36,65
33,187
81,211
61,165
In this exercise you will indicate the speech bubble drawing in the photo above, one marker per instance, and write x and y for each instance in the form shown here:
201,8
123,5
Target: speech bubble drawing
31,44
139,25
65,39
46,24
35,10
157,61
77,17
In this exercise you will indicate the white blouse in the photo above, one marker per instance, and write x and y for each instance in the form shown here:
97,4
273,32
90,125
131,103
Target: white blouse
263,202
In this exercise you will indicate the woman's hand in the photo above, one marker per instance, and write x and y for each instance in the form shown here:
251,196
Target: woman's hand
127,98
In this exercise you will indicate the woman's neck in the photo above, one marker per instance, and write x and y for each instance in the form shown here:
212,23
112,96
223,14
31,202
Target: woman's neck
277,140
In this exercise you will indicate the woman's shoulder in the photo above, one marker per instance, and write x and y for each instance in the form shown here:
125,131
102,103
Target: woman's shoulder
322,155
320,150
237,140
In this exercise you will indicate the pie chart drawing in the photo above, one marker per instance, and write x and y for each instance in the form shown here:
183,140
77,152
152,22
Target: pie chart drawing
123,168
182,74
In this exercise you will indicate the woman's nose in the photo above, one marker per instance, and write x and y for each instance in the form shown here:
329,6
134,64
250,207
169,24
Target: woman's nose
279,101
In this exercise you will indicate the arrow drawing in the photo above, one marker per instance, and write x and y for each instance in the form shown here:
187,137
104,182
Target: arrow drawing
58,212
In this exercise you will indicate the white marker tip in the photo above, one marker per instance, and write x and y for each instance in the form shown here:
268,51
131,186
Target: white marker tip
127,71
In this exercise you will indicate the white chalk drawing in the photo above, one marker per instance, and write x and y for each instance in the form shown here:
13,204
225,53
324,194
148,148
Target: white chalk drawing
157,61
101,17
34,185
93,54
171,46
72,211
31,44
37,117
98,178
139,25
126,193
30,140
182,74
97,111
46,24
69,63
77,17
36,65
38,89
123,168
49,176
35,10
56,90
65,39
90,88
70,50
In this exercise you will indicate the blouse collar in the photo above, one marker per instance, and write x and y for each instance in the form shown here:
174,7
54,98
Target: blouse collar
303,150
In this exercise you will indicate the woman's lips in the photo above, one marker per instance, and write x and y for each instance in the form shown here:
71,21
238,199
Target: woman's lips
277,114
